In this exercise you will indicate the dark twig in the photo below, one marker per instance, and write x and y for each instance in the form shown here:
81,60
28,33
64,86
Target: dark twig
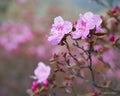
71,53
76,44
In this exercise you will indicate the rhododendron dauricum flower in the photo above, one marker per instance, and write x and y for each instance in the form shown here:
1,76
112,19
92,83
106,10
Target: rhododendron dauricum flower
13,34
41,73
86,22
59,29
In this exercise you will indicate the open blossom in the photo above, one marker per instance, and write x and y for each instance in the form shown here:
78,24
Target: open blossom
86,22
59,29
41,73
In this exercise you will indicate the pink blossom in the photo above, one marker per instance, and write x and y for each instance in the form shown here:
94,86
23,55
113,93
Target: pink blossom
20,1
41,73
13,34
59,29
111,57
111,73
39,51
99,30
22,33
86,22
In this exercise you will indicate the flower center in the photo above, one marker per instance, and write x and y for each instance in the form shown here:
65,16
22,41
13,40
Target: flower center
60,28
83,26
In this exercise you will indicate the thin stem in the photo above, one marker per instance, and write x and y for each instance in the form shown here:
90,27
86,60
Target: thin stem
73,91
90,60
77,45
66,43
90,66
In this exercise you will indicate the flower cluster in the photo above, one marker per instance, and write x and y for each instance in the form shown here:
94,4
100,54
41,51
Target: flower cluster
82,27
87,56
14,34
86,22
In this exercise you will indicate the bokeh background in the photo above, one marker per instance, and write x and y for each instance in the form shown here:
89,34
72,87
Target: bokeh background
19,56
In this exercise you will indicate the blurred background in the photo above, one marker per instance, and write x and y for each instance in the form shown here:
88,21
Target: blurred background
24,28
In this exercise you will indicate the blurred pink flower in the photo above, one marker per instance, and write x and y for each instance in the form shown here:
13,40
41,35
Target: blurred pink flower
117,73
59,29
39,51
86,22
41,73
13,34
108,57
111,57
20,1
22,33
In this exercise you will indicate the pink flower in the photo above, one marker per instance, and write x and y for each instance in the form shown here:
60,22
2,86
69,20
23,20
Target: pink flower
13,34
59,29
86,22
41,73
20,1
41,51
22,33
111,56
